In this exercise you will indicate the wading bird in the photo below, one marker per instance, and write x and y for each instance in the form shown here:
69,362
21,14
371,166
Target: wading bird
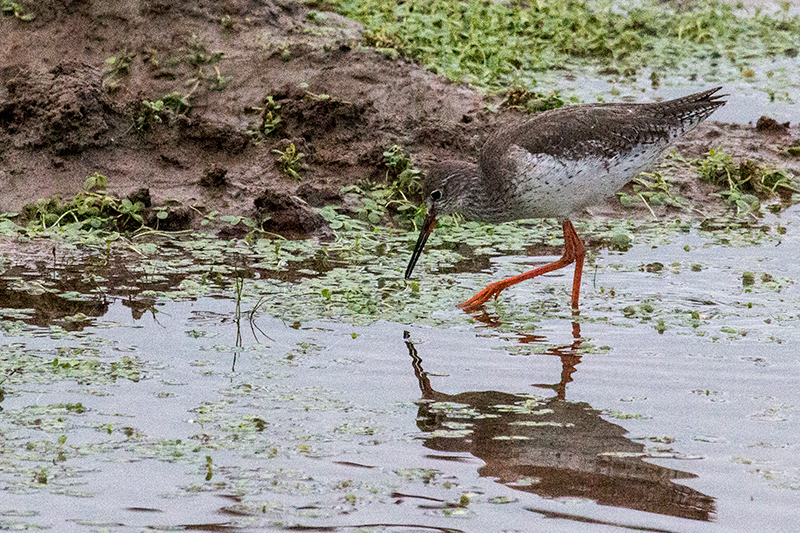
553,165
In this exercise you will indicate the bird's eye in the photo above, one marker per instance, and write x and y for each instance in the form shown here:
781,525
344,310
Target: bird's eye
436,195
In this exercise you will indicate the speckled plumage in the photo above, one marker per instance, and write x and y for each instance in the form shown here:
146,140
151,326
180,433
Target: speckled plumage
563,160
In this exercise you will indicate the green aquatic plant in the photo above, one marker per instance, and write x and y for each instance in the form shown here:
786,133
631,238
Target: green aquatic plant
747,183
485,42
400,193
652,189
91,208
496,44
717,167
401,174
403,189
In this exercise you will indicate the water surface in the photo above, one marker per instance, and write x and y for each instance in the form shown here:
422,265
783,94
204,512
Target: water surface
139,396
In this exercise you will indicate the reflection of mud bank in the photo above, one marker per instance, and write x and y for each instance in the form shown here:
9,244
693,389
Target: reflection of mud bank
48,285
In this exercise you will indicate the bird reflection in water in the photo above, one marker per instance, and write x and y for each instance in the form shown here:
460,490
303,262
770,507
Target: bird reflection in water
553,447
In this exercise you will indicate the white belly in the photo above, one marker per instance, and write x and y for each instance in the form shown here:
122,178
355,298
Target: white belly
548,187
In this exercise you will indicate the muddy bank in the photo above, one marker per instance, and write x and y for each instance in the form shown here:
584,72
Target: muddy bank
202,106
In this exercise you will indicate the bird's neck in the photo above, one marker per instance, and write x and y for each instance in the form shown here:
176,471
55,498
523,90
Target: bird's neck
474,202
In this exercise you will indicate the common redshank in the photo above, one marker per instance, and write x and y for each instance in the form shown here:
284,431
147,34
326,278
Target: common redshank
553,165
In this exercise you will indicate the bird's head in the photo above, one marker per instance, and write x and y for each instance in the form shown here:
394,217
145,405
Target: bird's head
449,187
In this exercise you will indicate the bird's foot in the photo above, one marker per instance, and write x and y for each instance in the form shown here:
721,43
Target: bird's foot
493,289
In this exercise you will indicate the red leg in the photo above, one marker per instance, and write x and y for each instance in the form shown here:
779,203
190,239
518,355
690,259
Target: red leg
579,252
574,252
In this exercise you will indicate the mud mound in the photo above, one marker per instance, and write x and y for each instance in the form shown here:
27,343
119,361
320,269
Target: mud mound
318,118
207,136
331,131
770,125
64,109
289,215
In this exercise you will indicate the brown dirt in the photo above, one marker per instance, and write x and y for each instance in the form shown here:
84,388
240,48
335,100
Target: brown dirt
63,116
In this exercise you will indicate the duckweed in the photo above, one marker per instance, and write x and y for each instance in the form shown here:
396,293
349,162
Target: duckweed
497,45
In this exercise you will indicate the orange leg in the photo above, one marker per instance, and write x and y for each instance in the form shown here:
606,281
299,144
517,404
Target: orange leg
574,252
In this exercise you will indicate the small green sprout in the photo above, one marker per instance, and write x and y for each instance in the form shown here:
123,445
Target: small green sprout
288,161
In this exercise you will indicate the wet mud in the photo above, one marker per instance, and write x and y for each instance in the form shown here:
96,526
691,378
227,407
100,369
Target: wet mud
67,112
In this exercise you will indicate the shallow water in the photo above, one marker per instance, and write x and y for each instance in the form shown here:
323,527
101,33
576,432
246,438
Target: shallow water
669,404
773,90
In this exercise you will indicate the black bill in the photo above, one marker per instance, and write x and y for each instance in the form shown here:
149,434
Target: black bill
424,233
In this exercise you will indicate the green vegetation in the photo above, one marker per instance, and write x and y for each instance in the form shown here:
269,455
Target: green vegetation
92,208
9,7
220,81
288,161
619,415
405,180
163,110
117,67
209,468
227,23
531,101
652,189
496,45
747,183
270,120
400,193
323,284
196,54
